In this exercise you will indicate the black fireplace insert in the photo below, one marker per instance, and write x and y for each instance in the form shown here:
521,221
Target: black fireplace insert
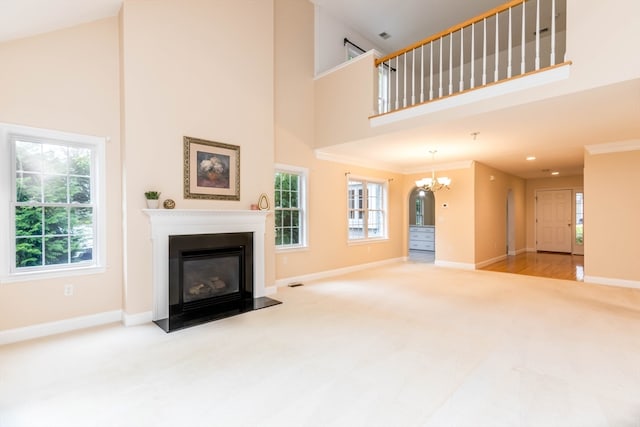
210,278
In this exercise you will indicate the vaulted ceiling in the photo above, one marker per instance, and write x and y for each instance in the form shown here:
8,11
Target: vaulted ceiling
554,130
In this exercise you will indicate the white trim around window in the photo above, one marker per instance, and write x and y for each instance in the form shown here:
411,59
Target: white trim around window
8,271
302,207
367,209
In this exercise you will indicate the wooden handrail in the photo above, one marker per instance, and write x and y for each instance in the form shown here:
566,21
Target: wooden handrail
450,30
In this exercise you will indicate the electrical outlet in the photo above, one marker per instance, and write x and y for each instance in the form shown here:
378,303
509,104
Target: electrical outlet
68,290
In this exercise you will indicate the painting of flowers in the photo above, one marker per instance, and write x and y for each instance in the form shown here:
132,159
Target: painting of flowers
211,170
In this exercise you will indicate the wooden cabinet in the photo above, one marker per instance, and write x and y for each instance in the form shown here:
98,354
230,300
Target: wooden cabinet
422,237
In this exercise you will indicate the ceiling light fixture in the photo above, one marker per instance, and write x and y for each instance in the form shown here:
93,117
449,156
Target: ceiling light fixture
531,158
433,184
554,173
384,35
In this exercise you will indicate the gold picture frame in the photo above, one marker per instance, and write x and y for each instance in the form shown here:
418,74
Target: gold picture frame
211,170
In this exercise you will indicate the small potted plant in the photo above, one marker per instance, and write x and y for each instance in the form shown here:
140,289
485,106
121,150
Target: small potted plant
153,199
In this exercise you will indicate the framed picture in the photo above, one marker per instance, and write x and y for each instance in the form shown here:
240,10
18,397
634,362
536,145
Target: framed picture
211,170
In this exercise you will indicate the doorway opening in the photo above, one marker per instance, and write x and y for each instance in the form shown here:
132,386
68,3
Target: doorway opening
422,220
560,221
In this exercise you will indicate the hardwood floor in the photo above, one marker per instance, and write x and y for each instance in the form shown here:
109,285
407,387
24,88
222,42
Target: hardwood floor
542,264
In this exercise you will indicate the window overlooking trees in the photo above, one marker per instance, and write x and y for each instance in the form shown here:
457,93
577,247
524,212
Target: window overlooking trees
366,209
54,209
290,211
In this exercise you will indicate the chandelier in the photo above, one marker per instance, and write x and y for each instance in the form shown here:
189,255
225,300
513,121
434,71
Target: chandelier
433,184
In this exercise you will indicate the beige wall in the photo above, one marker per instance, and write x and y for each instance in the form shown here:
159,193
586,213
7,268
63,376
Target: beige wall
296,91
617,35
344,100
67,80
202,69
171,68
454,224
612,210
553,183
491,191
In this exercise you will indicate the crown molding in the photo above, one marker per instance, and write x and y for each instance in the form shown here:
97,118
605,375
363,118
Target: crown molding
463,164
614,147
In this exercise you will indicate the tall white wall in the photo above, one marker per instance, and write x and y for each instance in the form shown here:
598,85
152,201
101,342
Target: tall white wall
329,40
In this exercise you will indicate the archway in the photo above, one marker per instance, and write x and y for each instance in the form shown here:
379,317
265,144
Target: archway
422,220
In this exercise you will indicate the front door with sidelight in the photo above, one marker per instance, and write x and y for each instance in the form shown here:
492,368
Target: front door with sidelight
554,220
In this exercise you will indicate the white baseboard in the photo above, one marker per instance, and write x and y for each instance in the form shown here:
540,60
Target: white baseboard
622,283
458,265
61,326
137,319
336,272
518,252
490,261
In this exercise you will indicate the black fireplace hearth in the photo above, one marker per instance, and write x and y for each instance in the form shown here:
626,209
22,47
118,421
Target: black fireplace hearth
210,278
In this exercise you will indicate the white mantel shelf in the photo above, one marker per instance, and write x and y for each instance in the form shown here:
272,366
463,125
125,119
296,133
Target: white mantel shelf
164,213
176,222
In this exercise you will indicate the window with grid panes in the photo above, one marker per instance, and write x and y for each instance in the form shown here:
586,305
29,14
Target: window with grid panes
366,209
289,193
54,220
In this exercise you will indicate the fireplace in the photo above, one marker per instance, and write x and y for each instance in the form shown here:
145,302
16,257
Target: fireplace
208,265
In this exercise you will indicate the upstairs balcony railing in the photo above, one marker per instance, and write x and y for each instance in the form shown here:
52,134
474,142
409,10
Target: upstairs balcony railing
517,38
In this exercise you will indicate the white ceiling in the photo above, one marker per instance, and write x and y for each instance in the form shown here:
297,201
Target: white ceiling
22,18
407,21
555,130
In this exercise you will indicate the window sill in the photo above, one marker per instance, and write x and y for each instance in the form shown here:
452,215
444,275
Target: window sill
292,249
44,275
367,241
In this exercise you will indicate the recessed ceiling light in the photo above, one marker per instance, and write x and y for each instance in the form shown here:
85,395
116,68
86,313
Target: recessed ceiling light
531,158
384,35
555,173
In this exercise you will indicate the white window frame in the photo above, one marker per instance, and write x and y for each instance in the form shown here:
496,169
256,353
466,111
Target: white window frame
303,173
365,208
8,271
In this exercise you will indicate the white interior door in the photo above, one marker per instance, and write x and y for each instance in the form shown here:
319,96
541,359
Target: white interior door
554,220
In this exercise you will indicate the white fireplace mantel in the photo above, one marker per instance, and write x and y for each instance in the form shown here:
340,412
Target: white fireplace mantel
175,222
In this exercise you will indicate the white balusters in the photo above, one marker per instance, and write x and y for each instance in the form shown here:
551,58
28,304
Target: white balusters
450,63
422,74
553,33
484,52
537,35
436,71
389,70
472,81
431,72
413,78
404,81
381,107
497,51
397,87
510,47
461,59
524,41
440,89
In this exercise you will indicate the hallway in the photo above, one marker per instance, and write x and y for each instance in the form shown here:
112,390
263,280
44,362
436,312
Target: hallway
542,264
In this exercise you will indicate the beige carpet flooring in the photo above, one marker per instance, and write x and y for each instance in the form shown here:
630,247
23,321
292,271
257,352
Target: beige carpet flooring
410,344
